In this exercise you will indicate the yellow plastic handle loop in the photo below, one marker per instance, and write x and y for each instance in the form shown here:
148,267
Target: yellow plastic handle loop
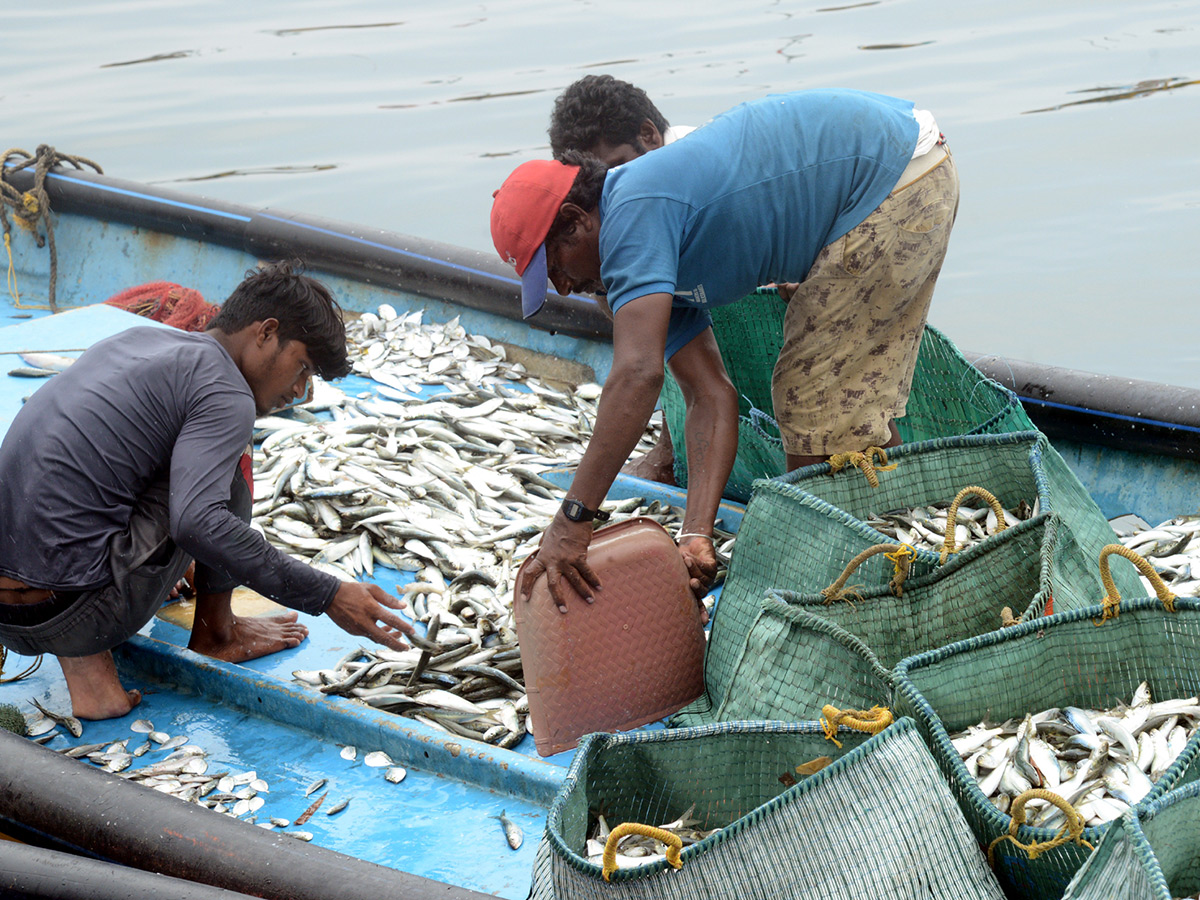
872,720
952,516
1072,829
900,554
1111,604
673,841
865,461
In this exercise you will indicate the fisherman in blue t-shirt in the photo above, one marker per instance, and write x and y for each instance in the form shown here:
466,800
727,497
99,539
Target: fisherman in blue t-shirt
849,194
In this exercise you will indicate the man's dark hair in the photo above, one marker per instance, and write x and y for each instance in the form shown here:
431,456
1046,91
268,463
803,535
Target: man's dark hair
304,308
600,108
584,193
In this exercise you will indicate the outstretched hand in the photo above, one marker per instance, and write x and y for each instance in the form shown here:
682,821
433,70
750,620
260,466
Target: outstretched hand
357,608
700,557
562,556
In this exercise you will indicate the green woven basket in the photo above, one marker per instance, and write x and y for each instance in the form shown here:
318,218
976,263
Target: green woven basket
1149,854
803,651
1060,660
800,531
878,822
794,662
948,397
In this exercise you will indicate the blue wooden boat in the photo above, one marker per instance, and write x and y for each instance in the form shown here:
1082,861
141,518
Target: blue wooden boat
1133,444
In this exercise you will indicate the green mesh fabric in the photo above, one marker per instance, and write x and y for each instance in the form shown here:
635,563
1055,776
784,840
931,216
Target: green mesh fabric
949,396
800,531
1150,854
794,662
878,821
1060,660
802,652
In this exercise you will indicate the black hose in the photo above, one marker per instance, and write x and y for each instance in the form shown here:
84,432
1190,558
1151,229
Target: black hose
31,873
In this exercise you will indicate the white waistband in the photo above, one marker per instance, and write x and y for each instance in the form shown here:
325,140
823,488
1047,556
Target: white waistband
919,165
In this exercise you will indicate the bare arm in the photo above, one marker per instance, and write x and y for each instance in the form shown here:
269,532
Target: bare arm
711,435
630,392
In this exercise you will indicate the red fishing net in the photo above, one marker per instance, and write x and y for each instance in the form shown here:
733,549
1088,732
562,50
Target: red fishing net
167,302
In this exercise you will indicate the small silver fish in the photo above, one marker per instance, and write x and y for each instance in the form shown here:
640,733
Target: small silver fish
377,759
395,774
349,752
70,723
512,831
142,726
337,807
40,726
314,787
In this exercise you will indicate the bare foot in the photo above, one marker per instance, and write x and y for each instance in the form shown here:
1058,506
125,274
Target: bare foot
658,464
239,639
651,469
96,691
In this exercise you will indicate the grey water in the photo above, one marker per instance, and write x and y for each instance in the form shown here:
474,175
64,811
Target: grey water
1075,125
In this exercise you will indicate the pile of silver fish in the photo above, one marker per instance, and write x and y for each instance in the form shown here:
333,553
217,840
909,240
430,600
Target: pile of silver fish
924,527
460,681
452,480
1099,761
1171,548
447,487
638,849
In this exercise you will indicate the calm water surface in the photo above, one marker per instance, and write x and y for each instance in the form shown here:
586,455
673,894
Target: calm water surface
1075,125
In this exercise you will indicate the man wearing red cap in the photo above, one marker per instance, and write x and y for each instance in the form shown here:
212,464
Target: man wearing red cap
850,194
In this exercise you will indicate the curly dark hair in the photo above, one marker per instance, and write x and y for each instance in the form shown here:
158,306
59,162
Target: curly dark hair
585,191
600,108
304,308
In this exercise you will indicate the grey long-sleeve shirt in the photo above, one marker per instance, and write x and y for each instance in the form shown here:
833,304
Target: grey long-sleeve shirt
89,441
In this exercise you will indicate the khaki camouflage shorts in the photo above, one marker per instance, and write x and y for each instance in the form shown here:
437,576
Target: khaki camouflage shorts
852,329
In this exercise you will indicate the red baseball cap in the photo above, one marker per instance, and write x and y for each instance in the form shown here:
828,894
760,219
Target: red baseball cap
522,212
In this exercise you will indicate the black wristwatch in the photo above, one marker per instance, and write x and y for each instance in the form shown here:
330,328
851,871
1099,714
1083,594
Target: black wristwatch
577,512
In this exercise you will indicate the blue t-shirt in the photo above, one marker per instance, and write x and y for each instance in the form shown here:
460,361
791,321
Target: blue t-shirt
748,199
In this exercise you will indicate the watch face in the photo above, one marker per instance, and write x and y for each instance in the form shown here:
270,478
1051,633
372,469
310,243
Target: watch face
574,510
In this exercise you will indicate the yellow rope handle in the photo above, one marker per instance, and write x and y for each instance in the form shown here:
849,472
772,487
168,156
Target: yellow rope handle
895,552
11,281
864,460
1111,604
902,559
872,720
673,841
952,516
1072,829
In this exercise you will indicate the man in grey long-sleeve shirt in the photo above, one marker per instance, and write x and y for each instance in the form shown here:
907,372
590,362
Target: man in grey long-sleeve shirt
120,470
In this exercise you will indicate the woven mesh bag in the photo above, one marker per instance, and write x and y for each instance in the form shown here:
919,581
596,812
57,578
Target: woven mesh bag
804,651
794,663
1150,854
800,531
877,822
1061,660
948,397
